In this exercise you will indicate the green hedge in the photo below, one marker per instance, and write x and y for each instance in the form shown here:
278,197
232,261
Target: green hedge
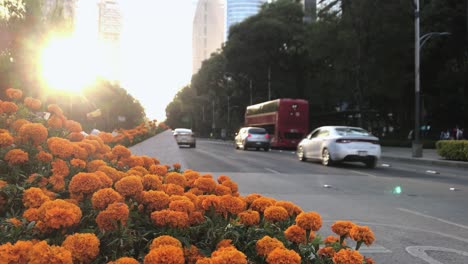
453,149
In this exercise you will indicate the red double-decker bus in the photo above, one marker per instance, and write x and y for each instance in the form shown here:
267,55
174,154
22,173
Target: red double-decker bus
286,120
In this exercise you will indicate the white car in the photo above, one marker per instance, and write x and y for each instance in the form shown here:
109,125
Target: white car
332,144
252,137
184,136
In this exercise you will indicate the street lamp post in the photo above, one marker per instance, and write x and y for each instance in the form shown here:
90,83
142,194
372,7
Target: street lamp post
419,42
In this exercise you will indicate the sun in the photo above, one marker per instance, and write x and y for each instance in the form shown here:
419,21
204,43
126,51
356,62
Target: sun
68,64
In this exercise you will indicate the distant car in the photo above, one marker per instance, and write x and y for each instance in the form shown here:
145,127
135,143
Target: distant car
332,144
252,137
184,136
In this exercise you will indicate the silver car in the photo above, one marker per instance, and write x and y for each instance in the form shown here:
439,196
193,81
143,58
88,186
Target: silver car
252,137
184,136
332,144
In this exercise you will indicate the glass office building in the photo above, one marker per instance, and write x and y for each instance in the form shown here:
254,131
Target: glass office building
238,10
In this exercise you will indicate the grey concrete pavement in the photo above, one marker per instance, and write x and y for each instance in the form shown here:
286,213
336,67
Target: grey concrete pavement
429,157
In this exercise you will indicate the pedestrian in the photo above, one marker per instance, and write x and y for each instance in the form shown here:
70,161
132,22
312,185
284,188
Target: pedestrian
459,135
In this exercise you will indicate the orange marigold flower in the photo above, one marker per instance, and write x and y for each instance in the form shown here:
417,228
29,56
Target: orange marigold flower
251,197
112,173
129,186
19,123
176,166
6,140
204,261
139,168
207,185
165,255
57,182
35,133
232,205
282,255
58,214
44,156
228,255
60,167
309,221
16,156
326,252
94,165
222,190
369,260
124,260
3,184
362,234
84,183
106,137
231,185
104,197
196,218
192,254
55,109
55,122
114,214
342,228
15,221
295,234
209,201
17,253
290,207
31,214
42,253
170,218
155,200
32,103
165,241
249,218
83,247
8,107
348,256
151,182
75,137
172,189
275,214
106,181
222,178
73,126
191,176
262,203
224,243
330,240
182,206
267,244
120,151
78,163
160,170
13,93
175,178
60,147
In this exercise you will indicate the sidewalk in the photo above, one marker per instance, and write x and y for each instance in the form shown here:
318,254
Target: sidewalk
429,157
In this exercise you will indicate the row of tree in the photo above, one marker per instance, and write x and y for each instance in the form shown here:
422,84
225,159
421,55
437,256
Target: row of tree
24,28
354,64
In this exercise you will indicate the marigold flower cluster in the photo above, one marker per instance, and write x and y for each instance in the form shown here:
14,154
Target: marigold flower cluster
95,203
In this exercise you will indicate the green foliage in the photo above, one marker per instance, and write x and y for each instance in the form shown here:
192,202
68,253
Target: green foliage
453,149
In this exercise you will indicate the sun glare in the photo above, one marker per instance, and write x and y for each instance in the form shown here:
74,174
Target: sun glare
68,64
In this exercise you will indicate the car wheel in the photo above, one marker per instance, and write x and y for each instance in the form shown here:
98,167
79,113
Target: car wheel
244,145
194,145
235,145
371,163
266,149
301,154
326,158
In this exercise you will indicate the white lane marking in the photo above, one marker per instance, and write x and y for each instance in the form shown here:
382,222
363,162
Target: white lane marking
374,249
420,252
363,173
385,165
432,172
432,217
273,171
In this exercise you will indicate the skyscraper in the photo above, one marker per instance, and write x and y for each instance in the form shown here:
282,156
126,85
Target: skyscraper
208,31
238,10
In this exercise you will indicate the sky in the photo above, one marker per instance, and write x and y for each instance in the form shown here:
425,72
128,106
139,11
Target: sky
155,49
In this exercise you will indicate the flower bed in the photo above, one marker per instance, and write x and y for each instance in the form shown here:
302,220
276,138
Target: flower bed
71,199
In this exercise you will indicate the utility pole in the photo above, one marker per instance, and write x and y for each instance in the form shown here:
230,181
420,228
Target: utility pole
250,85
269,82
416,146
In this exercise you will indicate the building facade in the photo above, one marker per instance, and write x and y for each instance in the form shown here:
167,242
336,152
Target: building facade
110,20
64,8
238,10
208,31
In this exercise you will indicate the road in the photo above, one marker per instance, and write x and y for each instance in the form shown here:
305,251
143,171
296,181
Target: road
419,213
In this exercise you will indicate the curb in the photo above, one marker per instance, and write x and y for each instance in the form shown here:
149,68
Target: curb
446,163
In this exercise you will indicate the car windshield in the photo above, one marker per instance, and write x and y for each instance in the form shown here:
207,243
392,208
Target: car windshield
260,131
351,131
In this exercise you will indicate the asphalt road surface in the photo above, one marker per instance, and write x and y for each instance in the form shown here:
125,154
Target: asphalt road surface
419,213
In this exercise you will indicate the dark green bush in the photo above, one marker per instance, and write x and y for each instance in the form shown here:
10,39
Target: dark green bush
453,149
